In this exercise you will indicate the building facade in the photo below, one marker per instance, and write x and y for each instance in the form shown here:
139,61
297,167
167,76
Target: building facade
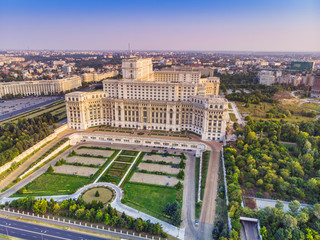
266,77
42,87
170,105
97,77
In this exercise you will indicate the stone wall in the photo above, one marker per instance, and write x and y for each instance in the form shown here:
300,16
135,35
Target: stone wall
67,143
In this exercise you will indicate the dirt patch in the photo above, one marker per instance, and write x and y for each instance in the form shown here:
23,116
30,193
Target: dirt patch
152,167
160,158
75,170
251,203
96,152
154,179
285,97
105,195
85,160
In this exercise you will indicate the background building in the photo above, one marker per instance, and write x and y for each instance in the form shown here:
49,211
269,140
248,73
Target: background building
42,87
315,92
266,77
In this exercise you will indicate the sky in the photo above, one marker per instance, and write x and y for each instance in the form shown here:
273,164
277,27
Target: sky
213,25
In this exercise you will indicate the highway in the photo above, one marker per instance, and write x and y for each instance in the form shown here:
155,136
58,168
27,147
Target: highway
32,231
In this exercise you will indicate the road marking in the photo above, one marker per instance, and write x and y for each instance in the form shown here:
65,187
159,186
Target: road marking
43,234
95,181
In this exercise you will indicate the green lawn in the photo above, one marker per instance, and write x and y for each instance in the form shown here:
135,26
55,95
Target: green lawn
197,206
54,184
204,170
233,117
258,111
150,198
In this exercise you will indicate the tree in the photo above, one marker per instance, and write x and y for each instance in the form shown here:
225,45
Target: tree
251,137
56,208
99,216
264,233
97,194
290,221
294,206
279,205
138,225
316,210
106,219
178,186
180,175
50,169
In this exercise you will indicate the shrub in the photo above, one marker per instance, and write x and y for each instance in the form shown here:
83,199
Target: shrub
180,175
50,169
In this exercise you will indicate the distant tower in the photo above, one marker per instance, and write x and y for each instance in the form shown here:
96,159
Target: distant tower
129,49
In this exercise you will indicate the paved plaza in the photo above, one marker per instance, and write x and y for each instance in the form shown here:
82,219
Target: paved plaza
154,179
75,170
152,167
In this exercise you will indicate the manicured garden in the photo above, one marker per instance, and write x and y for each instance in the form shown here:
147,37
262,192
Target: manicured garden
129,152
150,199
115,172
204,170
102,194
53,184
125,159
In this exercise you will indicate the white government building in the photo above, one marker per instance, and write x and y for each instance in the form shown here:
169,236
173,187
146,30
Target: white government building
41,87
152,100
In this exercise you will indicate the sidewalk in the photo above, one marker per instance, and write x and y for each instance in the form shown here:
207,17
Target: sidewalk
168,228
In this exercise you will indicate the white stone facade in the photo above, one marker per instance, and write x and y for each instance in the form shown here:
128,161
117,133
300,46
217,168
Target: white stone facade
97,77
42,87
152,105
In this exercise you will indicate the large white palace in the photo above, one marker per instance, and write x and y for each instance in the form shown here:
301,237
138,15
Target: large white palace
147,99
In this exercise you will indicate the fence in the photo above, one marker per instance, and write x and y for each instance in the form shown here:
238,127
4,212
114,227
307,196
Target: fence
79,223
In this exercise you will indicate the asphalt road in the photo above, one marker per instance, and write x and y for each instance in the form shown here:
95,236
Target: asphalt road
32,231
33,107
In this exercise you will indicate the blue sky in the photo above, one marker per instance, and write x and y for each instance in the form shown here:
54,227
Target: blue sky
234,25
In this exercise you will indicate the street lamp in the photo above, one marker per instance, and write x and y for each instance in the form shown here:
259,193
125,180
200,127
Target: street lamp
7,224
42,232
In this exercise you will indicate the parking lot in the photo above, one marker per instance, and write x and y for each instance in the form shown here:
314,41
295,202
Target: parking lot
10,108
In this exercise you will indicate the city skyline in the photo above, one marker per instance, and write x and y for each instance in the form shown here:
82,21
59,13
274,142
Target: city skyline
288,26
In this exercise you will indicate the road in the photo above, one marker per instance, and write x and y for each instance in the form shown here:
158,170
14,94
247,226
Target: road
249,231
30,108
189,195
18,171
236,111
24,230
208,209
116,203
